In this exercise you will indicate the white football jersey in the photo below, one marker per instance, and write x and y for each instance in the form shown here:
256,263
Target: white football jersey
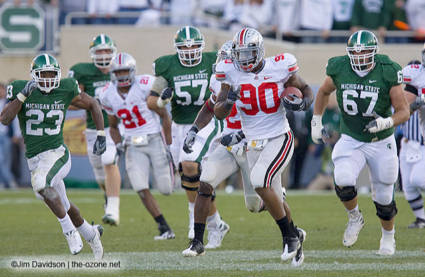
262,113
232,123
414,75
133,110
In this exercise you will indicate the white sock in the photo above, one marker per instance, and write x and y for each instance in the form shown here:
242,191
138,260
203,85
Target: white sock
386,233
191,213
66,224
213,221
420,213
87,231
113,206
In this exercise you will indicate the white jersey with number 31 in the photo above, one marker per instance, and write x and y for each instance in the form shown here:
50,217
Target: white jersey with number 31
262,113
133,110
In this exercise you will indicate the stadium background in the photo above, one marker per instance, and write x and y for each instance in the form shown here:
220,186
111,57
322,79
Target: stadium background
28,29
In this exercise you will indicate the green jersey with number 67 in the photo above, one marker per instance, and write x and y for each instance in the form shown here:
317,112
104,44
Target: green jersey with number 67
190,84
42,115
88,75
362,98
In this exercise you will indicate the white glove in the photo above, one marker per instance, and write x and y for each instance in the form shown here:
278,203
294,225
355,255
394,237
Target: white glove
316,128
379,124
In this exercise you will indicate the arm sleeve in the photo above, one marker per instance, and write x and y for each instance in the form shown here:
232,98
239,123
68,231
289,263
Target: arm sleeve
393,74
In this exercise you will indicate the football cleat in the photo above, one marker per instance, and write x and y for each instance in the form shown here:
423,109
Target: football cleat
290,248
299,257
96,244
354,225
216,236
169,234
196,248
386,246
113,220
74,241
418,223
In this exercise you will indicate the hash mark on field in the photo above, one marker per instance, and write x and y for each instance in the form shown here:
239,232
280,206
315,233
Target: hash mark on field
244,261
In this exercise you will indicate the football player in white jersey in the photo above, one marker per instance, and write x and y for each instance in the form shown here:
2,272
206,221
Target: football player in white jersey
412,152
125,99
256,85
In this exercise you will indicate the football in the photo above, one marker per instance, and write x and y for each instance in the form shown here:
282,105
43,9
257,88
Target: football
287,92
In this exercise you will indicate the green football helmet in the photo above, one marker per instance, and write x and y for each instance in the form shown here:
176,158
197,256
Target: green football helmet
189,36
102,42
362,47
44,64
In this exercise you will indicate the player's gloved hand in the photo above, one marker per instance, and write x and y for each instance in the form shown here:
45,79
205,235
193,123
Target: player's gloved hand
297,104
232,138
100,144
167,93
316,129
27,90
379,124
189,141
165,97
419,102
234,94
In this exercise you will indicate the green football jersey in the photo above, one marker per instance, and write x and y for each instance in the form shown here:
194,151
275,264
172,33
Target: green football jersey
190,84
359,98
42,115
91,78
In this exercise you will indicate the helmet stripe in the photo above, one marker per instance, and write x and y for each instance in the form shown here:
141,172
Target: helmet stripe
359,36
241,36
187,32
102,38
46,57
119,59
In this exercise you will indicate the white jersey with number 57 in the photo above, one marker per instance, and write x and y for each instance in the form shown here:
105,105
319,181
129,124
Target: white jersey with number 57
133,110
262,113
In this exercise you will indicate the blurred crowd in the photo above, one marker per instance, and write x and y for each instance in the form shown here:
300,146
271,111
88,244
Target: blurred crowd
274,18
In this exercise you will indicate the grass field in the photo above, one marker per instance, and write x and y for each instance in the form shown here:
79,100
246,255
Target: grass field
30,232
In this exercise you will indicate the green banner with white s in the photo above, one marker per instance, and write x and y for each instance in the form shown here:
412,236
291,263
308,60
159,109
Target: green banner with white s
21,28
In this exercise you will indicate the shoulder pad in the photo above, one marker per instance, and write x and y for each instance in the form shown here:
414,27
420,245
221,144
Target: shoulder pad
160,65
215,85
145,81
392,71
222,69
14,88
335,63
410,72
287,62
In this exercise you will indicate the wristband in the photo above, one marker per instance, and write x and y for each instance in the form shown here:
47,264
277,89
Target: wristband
21,97
101,133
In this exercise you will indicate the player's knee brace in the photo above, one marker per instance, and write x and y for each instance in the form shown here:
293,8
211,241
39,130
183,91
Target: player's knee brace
206,190
190,179
346,193
386,212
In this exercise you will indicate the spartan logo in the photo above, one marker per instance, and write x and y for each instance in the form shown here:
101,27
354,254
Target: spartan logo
21,28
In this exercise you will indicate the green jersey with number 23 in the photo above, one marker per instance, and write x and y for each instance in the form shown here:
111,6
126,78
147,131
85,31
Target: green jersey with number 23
360,98
190,84
42,115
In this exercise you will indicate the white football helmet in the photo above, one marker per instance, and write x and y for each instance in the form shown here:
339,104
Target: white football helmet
224,53
247,49
123,62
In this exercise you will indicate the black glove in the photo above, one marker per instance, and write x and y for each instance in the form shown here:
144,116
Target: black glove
233,95
297,104
99,145
29,88
189,141
232,138
166,93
